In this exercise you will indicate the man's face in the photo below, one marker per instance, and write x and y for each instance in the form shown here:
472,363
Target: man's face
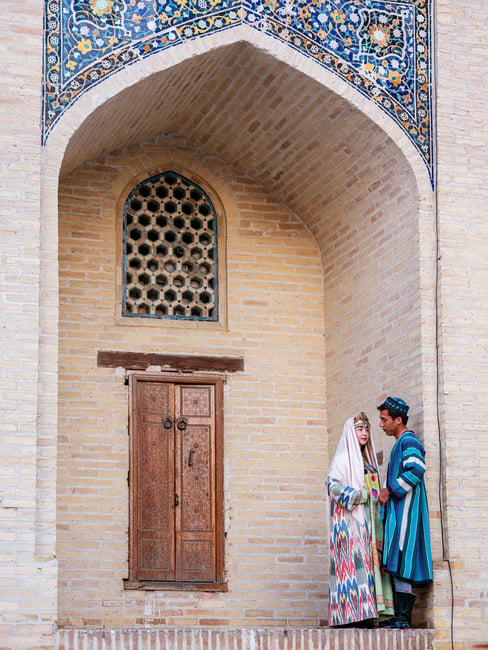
389,425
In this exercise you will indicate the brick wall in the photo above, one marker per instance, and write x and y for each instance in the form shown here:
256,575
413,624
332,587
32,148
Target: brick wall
275,441
378,331
275,433
463,236
27,567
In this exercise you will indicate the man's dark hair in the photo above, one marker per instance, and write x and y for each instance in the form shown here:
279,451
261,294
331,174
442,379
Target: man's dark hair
393,414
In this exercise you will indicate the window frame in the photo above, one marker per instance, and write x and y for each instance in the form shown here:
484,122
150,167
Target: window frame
140,320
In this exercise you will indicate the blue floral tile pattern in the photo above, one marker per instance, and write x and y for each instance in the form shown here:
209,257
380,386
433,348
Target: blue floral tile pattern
381,48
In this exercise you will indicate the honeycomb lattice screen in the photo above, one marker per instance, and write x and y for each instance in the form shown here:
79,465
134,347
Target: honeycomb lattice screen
170,251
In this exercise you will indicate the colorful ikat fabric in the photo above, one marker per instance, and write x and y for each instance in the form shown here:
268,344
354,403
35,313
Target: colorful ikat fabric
354,558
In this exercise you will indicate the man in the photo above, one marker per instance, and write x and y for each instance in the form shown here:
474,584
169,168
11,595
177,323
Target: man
406,550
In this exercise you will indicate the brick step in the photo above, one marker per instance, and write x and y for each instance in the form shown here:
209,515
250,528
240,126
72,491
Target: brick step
243,639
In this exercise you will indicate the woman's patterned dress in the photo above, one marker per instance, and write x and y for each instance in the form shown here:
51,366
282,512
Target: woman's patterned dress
358,589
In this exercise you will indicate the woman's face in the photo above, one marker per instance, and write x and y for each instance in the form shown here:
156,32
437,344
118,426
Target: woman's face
362,434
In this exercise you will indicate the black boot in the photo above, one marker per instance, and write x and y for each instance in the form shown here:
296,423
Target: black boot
403,612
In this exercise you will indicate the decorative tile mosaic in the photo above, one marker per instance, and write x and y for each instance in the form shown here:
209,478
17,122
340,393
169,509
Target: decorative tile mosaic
381,48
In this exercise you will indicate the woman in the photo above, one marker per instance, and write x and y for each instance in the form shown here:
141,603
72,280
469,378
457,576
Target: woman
359,593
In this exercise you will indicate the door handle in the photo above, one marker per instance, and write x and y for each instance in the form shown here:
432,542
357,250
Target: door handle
190,458
167,422
181,424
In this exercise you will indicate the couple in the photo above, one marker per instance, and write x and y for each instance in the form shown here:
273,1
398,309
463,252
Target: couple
371,578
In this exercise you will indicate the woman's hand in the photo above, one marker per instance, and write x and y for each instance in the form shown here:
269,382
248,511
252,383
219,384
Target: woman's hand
384,496
362,497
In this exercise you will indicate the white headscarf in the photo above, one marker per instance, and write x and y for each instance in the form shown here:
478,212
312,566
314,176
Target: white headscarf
347,466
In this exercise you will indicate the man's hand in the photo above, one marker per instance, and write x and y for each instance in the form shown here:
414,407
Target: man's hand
384,496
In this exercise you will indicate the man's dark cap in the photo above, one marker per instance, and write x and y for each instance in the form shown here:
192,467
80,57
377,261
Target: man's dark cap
395,404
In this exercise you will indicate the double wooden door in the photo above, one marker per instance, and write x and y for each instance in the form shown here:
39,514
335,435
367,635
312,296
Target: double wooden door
175,480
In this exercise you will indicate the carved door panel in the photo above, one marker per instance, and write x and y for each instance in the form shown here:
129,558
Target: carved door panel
173,485
153,481
195,519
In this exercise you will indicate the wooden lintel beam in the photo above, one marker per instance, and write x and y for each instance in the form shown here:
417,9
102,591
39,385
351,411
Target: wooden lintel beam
142,361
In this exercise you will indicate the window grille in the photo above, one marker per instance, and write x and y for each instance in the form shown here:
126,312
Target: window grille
170,250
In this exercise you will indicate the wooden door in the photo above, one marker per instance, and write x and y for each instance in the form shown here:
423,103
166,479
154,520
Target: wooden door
175,482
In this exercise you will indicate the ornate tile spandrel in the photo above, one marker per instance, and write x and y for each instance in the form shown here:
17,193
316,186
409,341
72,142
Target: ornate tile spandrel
381,48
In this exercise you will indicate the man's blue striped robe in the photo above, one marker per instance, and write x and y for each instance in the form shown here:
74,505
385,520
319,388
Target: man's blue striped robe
406,552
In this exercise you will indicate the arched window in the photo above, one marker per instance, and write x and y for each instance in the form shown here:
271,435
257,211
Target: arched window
170,251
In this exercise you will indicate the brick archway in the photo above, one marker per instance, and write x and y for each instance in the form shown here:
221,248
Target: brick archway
328,154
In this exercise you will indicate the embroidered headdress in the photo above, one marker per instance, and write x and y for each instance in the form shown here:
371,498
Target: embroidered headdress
361,420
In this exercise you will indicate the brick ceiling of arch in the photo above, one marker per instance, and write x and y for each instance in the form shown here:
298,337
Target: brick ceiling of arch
381,48
306,137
